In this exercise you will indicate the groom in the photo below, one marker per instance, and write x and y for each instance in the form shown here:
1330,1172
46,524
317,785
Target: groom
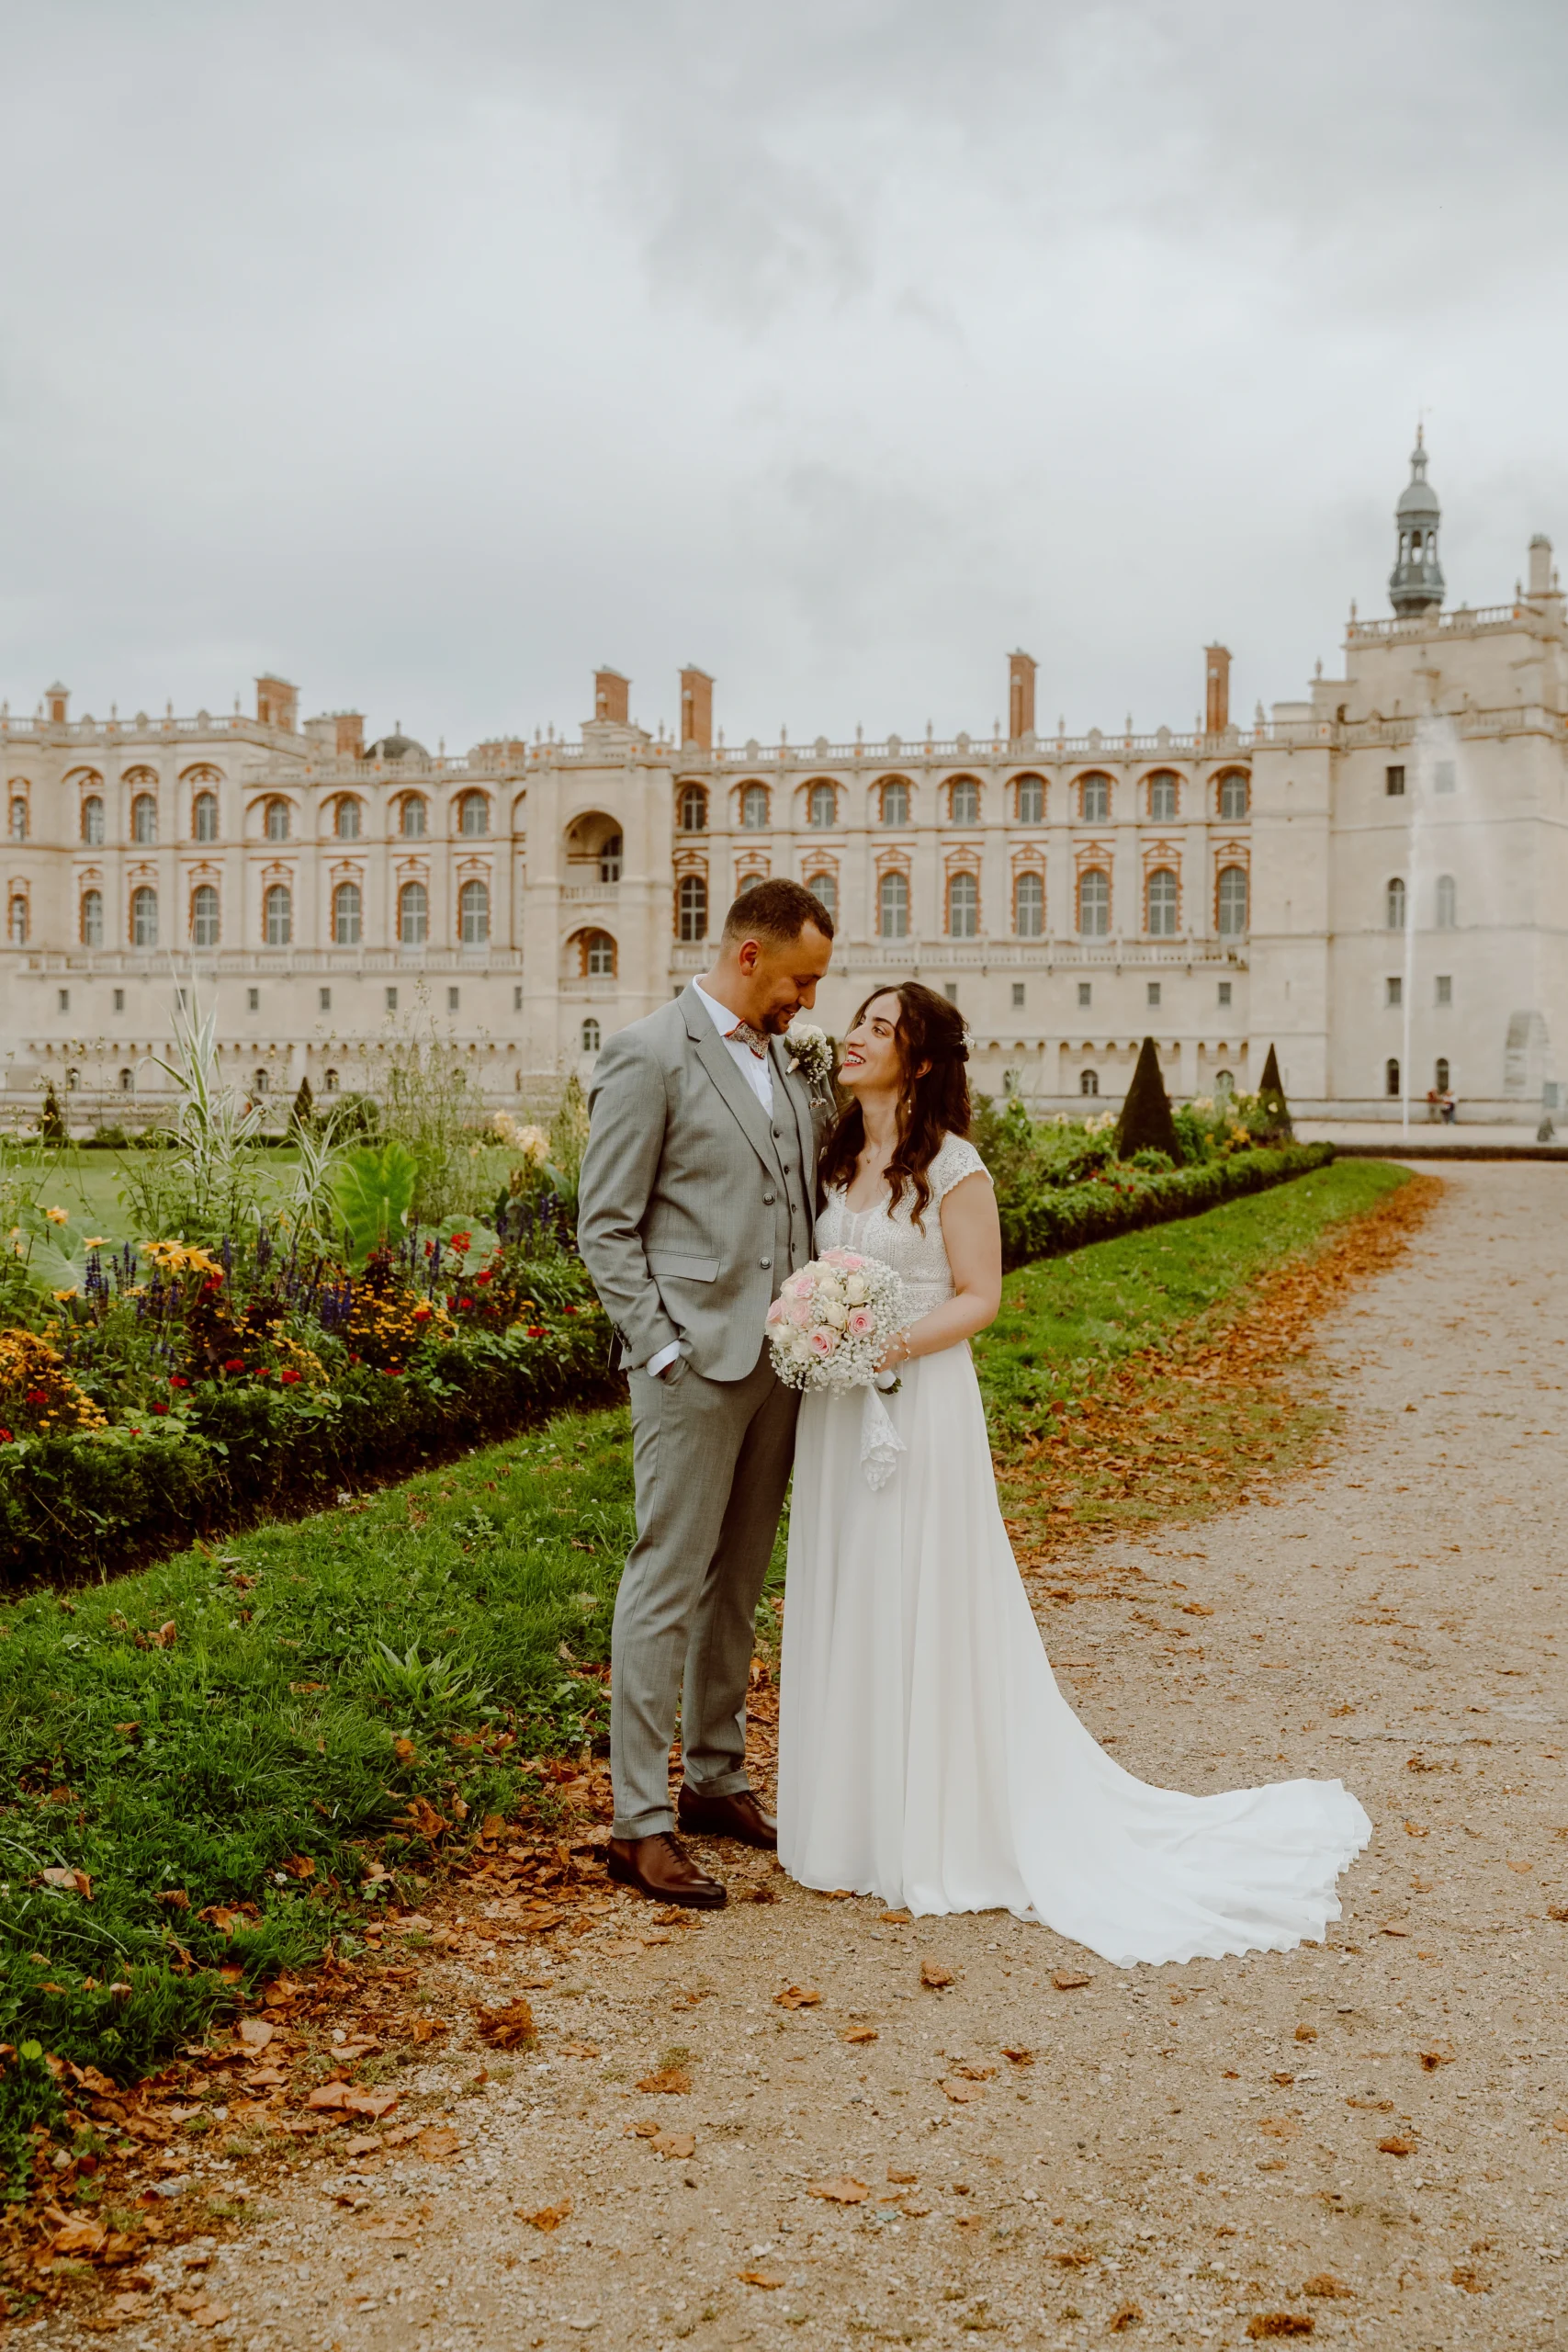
696,1202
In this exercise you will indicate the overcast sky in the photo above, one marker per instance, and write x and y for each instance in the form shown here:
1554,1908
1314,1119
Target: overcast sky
436,355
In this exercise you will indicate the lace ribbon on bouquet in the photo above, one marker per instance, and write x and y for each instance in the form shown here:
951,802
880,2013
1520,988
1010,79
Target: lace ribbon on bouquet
880,1443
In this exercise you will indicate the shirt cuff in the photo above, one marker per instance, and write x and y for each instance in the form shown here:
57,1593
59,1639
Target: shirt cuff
666,1356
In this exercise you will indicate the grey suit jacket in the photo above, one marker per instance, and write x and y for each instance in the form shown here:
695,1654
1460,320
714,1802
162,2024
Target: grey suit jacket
681,1197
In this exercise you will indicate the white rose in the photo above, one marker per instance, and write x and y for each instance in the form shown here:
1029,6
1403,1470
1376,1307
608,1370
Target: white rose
833,1311
855,1290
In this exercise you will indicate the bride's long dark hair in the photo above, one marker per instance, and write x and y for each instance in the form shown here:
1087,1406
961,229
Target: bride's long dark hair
934,1100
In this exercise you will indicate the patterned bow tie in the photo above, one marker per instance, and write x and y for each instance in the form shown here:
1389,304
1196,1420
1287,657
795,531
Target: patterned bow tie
748,1037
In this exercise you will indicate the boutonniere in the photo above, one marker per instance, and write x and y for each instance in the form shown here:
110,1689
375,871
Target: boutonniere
810,1051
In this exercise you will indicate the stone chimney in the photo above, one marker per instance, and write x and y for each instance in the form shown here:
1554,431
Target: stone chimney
611,698
350,726
58,699
1540,565
1022,668
696,710
277,705
1216,689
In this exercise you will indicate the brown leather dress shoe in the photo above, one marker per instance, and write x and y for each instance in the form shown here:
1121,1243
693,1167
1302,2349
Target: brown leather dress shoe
661,1868
733,1816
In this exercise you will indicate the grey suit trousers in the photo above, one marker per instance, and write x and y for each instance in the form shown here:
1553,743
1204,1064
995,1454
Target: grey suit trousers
712,1459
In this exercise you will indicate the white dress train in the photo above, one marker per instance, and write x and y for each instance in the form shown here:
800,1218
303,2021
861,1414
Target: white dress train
926,1754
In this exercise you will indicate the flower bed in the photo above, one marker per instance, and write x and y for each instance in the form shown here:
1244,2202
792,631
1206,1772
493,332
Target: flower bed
1042,1219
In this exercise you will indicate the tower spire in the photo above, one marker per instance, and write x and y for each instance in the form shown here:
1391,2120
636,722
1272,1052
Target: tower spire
1416,583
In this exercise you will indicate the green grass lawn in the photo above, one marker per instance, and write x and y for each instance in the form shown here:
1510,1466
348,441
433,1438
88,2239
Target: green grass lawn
248,1725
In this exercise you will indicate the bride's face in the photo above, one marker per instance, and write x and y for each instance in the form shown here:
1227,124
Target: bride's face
872,1063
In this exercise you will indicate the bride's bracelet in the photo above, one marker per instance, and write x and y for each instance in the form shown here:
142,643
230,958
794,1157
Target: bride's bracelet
907,1355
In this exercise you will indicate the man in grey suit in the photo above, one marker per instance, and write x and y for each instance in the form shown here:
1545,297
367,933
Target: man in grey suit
696,1202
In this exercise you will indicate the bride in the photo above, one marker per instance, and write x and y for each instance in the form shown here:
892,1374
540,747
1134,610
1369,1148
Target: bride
926,1754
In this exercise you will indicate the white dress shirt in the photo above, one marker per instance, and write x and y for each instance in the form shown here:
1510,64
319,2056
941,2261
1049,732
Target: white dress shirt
757,1071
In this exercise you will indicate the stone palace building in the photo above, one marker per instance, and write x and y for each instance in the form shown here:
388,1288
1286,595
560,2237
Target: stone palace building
1373,878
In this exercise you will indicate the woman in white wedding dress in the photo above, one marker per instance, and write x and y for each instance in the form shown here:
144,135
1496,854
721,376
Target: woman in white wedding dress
926,1754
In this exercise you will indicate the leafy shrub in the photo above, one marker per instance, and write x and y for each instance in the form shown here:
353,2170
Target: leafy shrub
1041,1219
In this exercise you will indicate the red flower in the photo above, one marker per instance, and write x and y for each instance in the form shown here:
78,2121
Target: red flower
568,1310
160,1408
259,1372
390,1372
421,1314
37,1397
484,1275
289,1377
238,1365
430,1248
461,1242
6,1438
536,1331
353,1359
178,1380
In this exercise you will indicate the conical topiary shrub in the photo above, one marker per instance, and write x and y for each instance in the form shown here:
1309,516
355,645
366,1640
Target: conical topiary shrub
1272,1101
1146,1123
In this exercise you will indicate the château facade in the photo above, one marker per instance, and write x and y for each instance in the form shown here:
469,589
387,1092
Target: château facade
1371,879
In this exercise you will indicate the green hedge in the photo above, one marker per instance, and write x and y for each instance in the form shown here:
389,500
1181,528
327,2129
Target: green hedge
1042,1220
77,1507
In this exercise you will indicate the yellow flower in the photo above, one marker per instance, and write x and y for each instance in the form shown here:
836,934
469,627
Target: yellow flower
58,1216
97,1242
62,1294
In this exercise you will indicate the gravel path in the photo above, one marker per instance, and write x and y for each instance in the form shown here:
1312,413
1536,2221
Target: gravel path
1367,2141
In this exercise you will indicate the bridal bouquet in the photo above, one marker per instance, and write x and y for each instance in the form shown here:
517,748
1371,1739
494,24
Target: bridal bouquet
830,1327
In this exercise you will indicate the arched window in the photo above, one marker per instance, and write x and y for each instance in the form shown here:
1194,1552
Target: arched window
332,1082
17,922
145,917
893,906
1032,800
473,815
277,821
1231,901
826,887
963,801
1029,905
18,820
204,817
1448,903
1225,1084
127,1081
691,909
694,808
473,913
261,1083
895,803
599,954
1089,1082
1232,795
413,915
612,856
277,915
964,906
345,821
591,1036
1160,892
1440,1074
1094,799
1394,905
345,915
92,925
754,807
1391,1078
411,813
203,915
1164,791
92,821
1094,902
143,819
822,806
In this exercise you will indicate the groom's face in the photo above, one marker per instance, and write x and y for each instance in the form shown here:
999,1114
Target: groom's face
782,977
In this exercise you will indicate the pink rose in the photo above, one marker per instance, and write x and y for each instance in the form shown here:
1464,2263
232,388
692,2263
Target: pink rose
775,1312
862,1320
823,1341
798,1286
801,1313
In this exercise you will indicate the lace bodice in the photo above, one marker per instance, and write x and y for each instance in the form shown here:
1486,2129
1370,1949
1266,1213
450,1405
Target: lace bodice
919,1259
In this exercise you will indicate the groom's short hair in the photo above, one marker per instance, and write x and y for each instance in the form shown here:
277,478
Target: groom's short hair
776,910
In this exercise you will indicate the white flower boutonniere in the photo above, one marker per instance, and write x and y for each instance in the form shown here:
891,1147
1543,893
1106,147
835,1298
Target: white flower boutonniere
811,1052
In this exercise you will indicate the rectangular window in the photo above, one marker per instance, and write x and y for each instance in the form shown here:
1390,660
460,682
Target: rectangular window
1445,988
1154,987
1225,992
1394,783
1395,991
326,995
253,1000
119,1000
391,999
517,998
65,999
1086,991
950,990
453,999
1017,996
